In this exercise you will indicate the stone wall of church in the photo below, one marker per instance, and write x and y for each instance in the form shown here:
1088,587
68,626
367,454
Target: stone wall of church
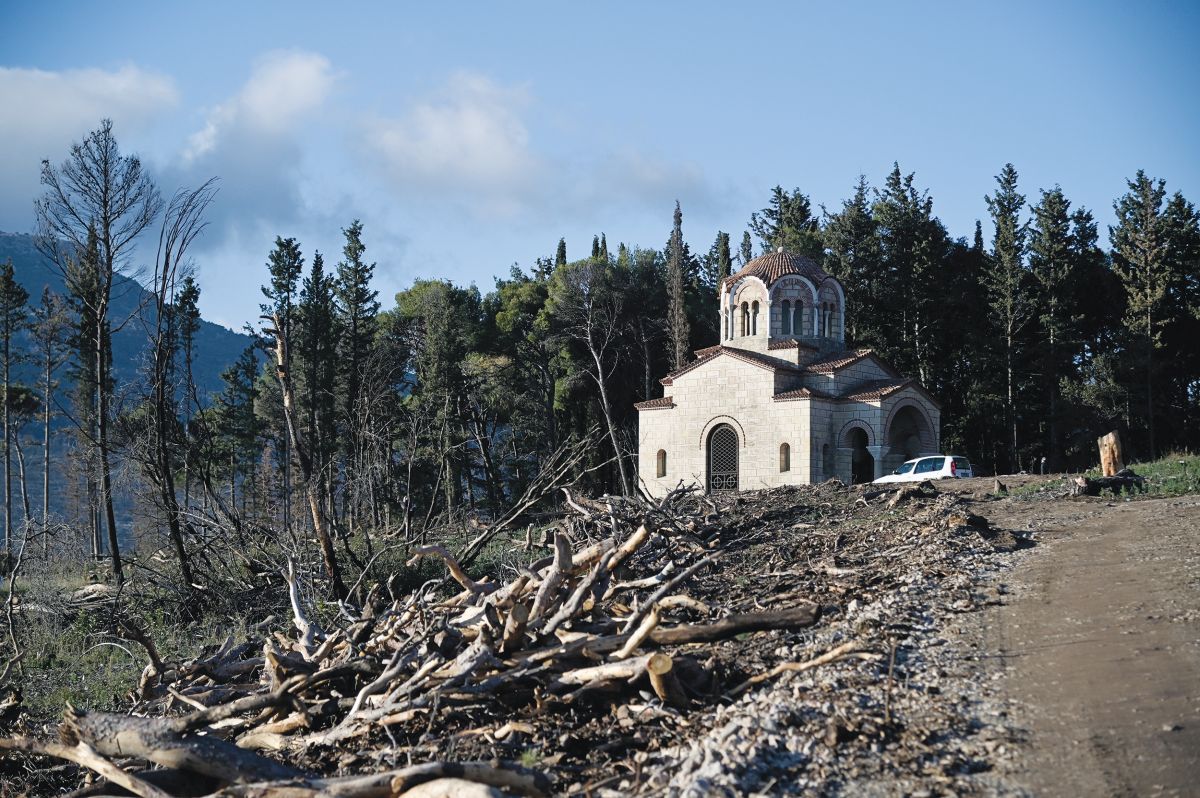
817,432
731,391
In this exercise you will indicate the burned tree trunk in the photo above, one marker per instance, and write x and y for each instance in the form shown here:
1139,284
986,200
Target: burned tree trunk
312,479
1111,460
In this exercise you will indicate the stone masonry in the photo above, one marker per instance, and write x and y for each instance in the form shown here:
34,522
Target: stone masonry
803,409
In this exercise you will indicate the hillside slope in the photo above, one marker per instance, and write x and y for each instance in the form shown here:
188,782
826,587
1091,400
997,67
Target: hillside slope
216,347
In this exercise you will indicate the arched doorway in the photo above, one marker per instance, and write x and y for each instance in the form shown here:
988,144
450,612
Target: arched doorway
862,464
908,436
722,459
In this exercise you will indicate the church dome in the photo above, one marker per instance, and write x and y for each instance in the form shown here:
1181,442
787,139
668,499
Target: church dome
774,265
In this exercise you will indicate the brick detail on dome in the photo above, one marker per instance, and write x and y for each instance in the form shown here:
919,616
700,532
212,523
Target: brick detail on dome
774,265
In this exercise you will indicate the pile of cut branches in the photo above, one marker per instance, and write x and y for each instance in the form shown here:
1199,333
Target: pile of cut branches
604,615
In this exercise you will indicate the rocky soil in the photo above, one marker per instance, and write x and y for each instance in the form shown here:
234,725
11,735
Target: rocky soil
959,642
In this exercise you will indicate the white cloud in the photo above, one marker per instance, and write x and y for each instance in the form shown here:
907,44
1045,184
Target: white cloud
284,87
46,111
469,138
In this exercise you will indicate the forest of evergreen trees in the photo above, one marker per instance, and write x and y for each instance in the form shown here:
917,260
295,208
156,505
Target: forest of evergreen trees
352,417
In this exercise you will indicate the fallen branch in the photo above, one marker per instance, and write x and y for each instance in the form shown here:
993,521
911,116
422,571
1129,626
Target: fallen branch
834,654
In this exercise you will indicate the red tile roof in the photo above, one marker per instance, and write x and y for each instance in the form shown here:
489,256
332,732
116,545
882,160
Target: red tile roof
831,364
875,390
789,343
774,265
757,358
800,394
654,404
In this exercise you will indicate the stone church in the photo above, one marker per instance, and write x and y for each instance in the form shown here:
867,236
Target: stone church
781,401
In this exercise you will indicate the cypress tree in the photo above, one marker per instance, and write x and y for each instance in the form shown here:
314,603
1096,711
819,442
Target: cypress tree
560,255
677,320
603,248
595,247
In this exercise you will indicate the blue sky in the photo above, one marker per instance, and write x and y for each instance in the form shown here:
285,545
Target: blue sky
471,136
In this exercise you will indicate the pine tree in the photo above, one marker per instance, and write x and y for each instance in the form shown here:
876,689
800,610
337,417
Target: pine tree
718,263
788,222
51,330
238,431
1140,259
14,317
1006,280
319,358
852,239
677,319
285,265
97,201
357,310
1052,263
187,312
913,262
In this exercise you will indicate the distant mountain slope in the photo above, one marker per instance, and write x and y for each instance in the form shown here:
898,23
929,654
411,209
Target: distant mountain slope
216,347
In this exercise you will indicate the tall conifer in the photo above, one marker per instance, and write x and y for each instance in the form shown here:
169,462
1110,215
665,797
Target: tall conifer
677,320
1006,279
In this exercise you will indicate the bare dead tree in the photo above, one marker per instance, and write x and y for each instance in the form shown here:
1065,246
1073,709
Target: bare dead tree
102,198
588,310
181,224
312,477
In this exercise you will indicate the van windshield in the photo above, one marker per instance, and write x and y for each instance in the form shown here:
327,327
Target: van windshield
904,469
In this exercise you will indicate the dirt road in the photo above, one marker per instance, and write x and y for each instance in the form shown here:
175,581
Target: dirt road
1098,639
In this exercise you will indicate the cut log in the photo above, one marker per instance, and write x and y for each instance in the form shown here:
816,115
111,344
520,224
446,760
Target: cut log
1124,481
453,788
664,680
155,739
514,628
1111,459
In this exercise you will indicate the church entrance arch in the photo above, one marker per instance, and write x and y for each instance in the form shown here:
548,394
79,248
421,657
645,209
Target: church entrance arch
722,459
862,464
909,433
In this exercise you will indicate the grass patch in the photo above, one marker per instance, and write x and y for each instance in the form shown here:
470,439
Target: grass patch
1172,475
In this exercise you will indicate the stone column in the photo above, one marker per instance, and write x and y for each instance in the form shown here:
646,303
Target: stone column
877,455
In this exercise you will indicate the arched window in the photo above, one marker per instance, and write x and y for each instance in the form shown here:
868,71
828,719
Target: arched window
725,320
661,461
785,457
745,318
821,320
754,319
786,327
797,320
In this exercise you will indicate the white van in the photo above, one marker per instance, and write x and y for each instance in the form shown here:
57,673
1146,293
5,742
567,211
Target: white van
933,467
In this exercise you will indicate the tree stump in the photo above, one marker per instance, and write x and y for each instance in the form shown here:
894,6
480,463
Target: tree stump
1111,460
